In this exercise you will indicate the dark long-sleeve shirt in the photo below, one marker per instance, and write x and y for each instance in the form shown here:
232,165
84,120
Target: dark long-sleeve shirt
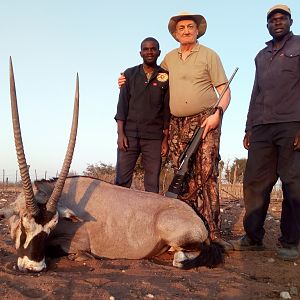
144,105
275,96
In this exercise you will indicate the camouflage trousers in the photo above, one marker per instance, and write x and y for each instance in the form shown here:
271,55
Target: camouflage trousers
201,187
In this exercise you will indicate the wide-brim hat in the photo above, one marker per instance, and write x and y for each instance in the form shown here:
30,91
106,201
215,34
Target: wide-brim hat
279,8
199,20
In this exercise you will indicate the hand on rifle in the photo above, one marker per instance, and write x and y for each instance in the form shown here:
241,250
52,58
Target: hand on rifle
211,122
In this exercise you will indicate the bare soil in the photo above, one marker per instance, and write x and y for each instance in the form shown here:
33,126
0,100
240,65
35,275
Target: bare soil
245,275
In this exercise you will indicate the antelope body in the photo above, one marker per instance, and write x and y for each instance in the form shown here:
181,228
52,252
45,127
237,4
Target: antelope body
106,220
116,222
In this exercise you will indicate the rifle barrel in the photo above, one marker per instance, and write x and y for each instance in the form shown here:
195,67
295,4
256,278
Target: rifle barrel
226,86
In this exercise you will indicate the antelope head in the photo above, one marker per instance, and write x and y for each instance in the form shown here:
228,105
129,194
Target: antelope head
37,220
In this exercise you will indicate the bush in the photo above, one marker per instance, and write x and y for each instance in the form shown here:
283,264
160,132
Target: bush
102,171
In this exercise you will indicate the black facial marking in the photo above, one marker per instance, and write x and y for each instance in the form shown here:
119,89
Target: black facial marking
35,250
44,216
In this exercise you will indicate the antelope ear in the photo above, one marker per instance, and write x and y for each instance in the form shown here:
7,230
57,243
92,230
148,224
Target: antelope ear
68,214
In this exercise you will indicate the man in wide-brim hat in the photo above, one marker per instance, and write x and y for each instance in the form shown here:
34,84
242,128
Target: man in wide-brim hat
195,73
198,19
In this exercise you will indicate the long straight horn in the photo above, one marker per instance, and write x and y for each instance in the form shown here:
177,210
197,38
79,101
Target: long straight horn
31,205
51,204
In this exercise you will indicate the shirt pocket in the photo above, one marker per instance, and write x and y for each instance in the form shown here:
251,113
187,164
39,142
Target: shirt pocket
291,61
156,92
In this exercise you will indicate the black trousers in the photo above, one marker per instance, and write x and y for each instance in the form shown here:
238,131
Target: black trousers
271,156
151,161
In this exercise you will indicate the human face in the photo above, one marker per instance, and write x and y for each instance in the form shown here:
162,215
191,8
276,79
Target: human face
149,53
186,32
279,25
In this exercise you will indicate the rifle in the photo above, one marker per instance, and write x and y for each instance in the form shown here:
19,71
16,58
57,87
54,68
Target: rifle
185,158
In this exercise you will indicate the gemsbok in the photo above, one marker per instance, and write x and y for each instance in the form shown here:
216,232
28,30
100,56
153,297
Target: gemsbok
82,215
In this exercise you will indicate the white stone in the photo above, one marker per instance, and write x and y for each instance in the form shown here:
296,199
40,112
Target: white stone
285,295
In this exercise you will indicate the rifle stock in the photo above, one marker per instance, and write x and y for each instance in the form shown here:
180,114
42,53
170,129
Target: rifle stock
175,188
176,185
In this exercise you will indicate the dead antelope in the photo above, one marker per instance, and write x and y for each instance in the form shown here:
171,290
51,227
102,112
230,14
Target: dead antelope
85,215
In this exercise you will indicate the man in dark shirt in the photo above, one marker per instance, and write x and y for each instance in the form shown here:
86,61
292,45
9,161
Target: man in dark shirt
143,118
273,137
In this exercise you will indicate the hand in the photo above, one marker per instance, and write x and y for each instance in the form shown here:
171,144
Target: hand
122,142
121,80
211,122
297,141
164,147
246,140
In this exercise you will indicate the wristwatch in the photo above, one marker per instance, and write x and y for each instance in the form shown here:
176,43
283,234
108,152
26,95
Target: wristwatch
220,109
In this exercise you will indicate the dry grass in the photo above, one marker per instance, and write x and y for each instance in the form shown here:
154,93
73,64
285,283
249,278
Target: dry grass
10,187
227,191
235,191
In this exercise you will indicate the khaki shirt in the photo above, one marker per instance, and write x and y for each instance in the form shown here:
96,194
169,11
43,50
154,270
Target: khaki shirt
192,81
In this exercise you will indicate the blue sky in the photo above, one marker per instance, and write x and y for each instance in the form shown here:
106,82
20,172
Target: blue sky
50,41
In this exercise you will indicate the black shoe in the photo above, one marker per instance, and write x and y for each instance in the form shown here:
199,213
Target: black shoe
246,244
288,253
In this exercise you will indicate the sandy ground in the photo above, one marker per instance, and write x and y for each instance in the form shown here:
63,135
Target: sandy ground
245,275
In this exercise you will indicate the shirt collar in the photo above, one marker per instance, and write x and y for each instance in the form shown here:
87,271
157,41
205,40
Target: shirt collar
195,48
286,38
156,69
